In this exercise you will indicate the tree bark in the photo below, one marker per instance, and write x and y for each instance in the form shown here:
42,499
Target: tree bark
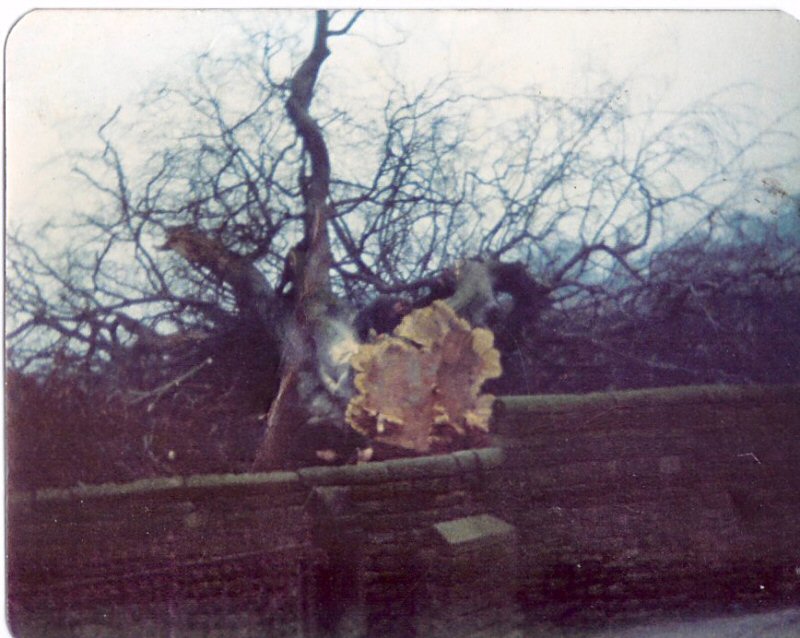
311,280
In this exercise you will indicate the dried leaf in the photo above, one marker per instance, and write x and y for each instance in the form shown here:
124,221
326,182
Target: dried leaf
428,326
420,387
393,383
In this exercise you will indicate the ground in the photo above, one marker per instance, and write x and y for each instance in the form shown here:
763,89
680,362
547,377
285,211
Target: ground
784,623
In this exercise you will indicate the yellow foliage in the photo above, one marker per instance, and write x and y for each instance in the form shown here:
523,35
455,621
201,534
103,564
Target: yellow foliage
419,388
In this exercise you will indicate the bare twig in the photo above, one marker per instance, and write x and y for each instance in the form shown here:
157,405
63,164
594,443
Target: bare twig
157,393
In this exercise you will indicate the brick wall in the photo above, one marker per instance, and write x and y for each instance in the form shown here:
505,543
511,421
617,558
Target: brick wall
590,507
140,558
321,551
631,502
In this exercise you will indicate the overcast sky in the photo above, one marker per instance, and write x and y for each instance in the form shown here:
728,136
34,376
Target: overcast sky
68,70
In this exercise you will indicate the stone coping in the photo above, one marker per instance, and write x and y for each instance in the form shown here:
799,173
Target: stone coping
464,461
650,397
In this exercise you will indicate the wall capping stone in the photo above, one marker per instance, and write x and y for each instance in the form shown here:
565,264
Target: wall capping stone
471,529
555,403
412,468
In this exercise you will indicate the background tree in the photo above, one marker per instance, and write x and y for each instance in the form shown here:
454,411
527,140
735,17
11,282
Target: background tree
615,260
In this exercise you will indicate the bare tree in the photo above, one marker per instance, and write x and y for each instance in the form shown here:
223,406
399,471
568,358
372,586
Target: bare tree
222,266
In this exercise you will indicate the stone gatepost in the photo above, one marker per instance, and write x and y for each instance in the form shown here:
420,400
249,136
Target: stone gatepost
470,574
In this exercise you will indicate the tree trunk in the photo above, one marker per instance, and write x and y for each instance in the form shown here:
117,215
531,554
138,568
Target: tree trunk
311,276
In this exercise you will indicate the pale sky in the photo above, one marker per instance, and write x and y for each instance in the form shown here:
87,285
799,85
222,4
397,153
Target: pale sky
66,71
